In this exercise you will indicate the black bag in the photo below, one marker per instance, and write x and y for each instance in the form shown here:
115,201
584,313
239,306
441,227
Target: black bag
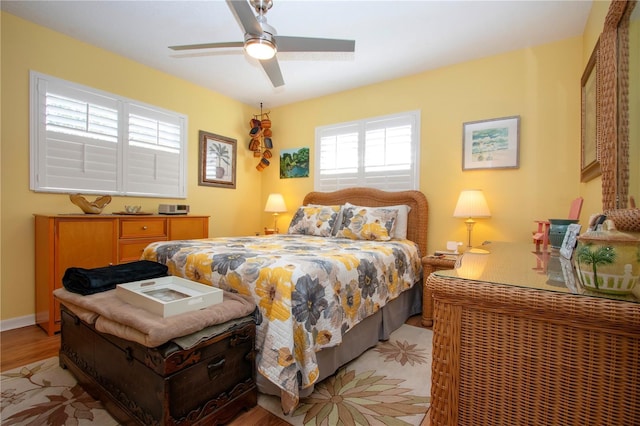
90,281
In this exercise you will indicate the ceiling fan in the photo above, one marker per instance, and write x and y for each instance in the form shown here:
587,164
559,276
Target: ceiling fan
262,42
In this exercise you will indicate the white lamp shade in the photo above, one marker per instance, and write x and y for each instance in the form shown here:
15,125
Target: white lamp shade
275,204
471,203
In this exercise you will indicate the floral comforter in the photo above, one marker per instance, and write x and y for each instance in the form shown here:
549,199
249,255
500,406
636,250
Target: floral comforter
310,291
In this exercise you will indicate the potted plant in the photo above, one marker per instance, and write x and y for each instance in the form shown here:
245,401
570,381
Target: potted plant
221,152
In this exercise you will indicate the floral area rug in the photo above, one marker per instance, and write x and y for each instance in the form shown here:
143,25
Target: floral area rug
43,393
389,384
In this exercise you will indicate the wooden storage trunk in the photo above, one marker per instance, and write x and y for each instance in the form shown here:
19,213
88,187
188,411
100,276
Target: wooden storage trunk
166,385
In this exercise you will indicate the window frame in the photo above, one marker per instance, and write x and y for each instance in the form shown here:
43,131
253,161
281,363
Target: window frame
389,180
134,168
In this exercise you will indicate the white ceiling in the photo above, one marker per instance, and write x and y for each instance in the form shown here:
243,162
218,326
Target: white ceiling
393,38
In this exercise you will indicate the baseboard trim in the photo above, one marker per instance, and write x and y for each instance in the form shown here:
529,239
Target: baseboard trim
19,322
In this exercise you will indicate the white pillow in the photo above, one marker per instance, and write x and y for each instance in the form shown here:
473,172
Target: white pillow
400,230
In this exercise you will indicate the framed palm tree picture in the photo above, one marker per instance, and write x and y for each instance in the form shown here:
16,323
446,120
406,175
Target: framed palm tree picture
217,157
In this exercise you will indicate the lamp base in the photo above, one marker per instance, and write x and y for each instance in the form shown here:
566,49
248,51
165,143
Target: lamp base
271,231
469,222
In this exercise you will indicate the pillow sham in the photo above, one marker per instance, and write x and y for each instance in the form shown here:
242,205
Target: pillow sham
402,220
367,223
400,232
338,220
314,220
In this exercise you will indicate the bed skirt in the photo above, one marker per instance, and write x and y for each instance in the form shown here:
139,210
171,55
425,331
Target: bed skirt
363,336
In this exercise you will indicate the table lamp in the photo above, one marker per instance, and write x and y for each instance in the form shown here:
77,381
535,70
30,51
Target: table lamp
275,204
471,203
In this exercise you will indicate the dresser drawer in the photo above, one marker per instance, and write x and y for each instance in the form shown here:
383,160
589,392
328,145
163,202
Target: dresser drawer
131,250
187,228
143,228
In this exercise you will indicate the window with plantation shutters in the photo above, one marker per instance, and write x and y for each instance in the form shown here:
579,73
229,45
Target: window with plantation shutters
380,152
87,141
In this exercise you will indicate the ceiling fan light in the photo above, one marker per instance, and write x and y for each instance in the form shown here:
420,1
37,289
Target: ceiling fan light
260,48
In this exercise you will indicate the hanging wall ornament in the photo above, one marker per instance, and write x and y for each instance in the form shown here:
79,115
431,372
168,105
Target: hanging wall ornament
261,142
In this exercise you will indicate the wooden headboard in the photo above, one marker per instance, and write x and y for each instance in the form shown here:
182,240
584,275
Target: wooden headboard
418,216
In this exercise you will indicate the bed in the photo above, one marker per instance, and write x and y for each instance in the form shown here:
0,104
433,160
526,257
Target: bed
343,277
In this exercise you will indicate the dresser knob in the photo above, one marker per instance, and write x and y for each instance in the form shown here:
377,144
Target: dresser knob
144,228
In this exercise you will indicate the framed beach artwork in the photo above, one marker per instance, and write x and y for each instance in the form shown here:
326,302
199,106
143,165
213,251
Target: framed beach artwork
491,144
294,163
570,240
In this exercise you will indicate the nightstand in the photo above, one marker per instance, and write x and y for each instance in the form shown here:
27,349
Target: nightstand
431,264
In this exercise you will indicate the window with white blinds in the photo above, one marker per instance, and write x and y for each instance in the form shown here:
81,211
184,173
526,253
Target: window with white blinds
87,141
380,152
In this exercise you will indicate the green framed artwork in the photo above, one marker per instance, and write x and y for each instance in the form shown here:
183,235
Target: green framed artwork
294,163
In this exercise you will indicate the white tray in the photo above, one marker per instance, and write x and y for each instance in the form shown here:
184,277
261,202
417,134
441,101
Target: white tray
168,296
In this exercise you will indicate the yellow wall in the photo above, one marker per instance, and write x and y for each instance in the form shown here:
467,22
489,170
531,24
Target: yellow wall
592,191
540,84
25,47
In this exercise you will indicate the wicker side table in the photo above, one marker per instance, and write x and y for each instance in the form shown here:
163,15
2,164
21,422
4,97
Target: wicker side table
512,355
431,264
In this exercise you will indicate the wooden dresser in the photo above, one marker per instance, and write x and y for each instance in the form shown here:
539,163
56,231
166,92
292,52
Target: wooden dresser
514,345
91,241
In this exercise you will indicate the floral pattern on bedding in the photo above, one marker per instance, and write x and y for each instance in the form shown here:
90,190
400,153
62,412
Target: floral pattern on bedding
310,290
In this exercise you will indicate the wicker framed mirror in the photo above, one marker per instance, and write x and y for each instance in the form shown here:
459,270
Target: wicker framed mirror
612,105
633,102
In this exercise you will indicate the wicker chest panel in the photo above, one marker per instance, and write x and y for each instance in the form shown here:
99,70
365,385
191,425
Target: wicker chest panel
507,355
207,384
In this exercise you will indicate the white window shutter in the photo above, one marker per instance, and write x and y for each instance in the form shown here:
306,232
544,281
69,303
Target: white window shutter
155,160
87,141
85,167
79,147
337,158
153,172
378,153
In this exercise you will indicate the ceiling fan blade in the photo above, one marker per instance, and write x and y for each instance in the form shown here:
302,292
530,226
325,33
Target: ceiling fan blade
308,44
244,14
208,45
272,69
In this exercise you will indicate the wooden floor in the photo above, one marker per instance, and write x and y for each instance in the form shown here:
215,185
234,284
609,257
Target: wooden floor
29,344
